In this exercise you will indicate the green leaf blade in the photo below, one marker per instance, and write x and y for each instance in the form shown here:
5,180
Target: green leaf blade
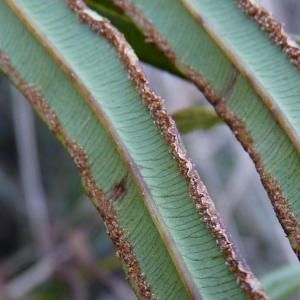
196,117
250,81
283,283
83,126
97,113
145,50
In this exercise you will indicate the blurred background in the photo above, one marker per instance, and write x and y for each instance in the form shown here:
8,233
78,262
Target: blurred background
53,244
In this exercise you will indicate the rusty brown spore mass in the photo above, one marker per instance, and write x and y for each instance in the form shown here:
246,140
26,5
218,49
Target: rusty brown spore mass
274,29
280,203
168,129
109,215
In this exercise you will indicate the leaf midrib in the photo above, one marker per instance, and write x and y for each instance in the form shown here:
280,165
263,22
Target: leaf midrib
145,194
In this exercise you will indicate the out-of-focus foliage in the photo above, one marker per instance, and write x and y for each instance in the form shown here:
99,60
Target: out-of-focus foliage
72,218
196,117
282,283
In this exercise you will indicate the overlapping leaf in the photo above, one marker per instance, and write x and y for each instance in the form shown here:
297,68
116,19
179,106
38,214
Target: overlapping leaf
90,91
248,68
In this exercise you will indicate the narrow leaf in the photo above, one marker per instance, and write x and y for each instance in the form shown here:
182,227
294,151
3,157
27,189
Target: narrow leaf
92,93
144,50
247,67
195,117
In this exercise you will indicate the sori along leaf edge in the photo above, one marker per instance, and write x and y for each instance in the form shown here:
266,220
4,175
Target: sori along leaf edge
202,200
164,122
282,206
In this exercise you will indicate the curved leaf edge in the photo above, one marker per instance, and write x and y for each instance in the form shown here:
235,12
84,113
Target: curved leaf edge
101,202
241,67
166,125
145,51
273,28
280,203
179,261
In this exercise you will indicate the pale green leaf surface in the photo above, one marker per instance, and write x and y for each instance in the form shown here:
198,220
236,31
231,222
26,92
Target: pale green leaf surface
145,51
283,283
94,62
227,50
